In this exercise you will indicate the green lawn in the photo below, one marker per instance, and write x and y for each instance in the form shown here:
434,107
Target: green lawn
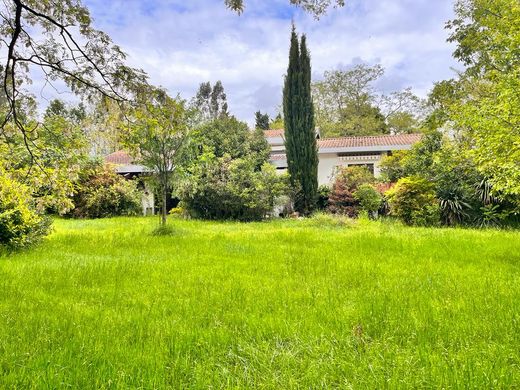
284,304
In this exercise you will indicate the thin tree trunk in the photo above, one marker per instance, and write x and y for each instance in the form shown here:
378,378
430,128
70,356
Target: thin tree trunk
164,207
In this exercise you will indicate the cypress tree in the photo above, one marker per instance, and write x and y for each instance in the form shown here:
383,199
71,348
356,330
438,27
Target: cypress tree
300,138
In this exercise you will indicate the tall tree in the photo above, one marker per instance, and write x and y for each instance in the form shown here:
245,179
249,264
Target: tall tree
158,138
486,106
261,121
211,102
300,137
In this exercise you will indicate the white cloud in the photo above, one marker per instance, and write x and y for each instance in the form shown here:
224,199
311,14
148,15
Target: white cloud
181,44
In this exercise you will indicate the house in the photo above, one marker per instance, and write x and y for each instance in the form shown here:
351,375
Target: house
339,152
124,166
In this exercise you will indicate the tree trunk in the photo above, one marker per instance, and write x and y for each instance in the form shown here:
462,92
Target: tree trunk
164,206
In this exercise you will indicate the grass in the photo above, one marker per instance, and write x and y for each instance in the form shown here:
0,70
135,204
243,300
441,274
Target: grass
285,304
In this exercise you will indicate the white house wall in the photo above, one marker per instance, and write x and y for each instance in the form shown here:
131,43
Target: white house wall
330,163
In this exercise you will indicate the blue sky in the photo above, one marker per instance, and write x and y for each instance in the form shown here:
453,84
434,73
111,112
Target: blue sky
183,43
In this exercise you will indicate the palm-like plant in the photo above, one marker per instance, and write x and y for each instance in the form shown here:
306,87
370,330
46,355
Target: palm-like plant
454,207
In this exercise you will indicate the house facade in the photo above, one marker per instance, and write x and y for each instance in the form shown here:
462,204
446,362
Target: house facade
335,153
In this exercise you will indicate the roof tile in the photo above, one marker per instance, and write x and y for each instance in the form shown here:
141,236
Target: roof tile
119,157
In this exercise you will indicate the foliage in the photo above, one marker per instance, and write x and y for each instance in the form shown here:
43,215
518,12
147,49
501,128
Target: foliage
369,198
229,176
179,212
486,107
210,103
413,201
300,138
392,166
262,121
20,222
57,41
347,181
158,139
277,122
227,188
51,165
315,7
100,193
323,197
454,205
232,137
348,105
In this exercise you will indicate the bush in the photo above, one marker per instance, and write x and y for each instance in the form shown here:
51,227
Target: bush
413,201
225,188
323,197
20,223
103,193
341,198
369,199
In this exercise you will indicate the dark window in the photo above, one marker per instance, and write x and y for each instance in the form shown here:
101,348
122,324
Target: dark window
357,154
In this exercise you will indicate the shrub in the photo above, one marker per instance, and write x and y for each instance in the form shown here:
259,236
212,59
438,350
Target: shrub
341,198
20,223
323,197
178,212
369,199
103,193
226,188
413,201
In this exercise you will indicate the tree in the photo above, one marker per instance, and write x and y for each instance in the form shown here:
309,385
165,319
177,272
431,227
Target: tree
211,102
158,138
58,147
261,121
300,138
277,122
347,104
315,7
487,110
73,51
81,56
403,111
229,176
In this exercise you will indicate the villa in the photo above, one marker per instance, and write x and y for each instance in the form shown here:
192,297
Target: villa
333,153
343,151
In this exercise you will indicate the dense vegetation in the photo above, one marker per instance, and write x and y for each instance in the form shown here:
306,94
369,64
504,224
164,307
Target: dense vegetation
284,304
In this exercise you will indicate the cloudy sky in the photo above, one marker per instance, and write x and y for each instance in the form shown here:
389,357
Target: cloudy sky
182,43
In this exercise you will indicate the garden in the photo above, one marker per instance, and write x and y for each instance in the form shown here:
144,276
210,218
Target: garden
249,274
317,302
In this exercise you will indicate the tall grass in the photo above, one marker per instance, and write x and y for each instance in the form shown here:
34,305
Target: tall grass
284,304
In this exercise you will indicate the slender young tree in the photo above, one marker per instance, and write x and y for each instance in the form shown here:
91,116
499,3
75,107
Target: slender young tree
158,139
300,138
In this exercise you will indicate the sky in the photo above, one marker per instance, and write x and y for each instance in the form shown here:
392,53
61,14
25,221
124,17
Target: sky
181,43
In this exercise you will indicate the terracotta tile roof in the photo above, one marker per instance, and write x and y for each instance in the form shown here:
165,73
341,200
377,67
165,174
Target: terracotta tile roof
273,133
354,142
367,141
119,157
